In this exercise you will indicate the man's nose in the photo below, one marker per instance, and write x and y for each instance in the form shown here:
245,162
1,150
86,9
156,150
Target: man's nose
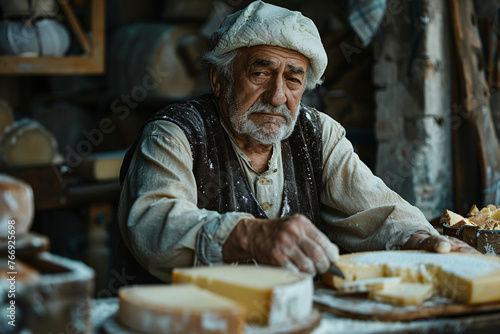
275,93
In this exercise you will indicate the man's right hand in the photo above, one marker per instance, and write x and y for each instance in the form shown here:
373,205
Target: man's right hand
291,242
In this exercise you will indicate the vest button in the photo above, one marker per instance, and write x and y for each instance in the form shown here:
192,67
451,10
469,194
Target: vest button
263,181
266,206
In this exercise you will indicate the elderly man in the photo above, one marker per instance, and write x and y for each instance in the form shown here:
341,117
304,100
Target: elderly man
249,173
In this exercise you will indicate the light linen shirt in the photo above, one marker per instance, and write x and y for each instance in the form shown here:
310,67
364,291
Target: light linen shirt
164,229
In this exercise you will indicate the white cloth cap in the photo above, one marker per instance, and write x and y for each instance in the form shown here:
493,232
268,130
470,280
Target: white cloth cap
261,23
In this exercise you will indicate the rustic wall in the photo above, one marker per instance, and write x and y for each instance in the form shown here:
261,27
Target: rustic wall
413,74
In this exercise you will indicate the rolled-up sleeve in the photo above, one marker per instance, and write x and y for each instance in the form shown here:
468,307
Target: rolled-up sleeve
360,212
159,220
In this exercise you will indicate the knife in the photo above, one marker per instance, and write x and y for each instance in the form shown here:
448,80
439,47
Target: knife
334,270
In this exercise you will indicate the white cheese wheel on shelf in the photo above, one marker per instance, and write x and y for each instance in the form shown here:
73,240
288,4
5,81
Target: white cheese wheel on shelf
145,61
26,143
44,37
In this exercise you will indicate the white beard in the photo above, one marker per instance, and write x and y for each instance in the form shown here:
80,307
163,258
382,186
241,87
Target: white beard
267,134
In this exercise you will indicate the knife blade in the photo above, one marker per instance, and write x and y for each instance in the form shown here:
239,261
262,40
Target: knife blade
334,270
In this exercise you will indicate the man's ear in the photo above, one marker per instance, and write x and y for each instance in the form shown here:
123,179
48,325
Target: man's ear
215,81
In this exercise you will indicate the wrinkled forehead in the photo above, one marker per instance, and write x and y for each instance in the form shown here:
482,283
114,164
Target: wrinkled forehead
264,56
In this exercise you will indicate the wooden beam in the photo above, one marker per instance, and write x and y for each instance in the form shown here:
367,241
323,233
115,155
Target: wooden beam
51,65
98,32
75,25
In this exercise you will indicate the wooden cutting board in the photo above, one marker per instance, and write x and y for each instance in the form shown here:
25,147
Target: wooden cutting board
358,306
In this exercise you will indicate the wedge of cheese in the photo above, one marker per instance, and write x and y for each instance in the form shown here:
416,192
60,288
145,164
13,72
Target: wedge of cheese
371,284
464,277
271,295
178,309
454,219
404,293
488,218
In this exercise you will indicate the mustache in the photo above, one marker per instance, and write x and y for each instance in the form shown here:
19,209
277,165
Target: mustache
264,107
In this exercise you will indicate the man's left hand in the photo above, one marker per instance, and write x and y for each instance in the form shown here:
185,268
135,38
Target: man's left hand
437,243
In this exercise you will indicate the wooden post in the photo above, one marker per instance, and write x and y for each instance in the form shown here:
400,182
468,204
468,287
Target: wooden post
475,97
413,116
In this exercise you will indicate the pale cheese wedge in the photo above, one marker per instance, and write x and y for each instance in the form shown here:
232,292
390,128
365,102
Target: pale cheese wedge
271,295
451,218
464,277
179,309
473,211
371,284
455,220
496,215
404,293
463,222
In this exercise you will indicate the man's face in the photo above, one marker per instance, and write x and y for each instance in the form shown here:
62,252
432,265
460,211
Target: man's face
262,103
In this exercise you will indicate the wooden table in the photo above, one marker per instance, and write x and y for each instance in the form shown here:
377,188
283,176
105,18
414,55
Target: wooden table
484,323
330,324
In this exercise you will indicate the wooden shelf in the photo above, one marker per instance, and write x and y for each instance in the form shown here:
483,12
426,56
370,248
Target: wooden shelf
89,63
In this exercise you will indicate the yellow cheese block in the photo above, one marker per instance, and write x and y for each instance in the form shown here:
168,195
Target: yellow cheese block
464,277
404,293
271,295
183,308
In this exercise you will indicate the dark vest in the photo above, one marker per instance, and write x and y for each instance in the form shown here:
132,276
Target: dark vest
222,185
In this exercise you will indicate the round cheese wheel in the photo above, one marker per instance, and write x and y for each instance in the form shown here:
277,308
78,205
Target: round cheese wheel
27,142
143,54
462,277
46,37
177,309
16,205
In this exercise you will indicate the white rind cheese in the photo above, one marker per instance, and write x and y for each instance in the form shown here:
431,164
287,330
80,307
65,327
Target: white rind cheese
271,295
291,301
464,277
183,308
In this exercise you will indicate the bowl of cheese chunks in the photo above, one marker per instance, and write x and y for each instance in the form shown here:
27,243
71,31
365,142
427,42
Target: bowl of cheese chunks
479,228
